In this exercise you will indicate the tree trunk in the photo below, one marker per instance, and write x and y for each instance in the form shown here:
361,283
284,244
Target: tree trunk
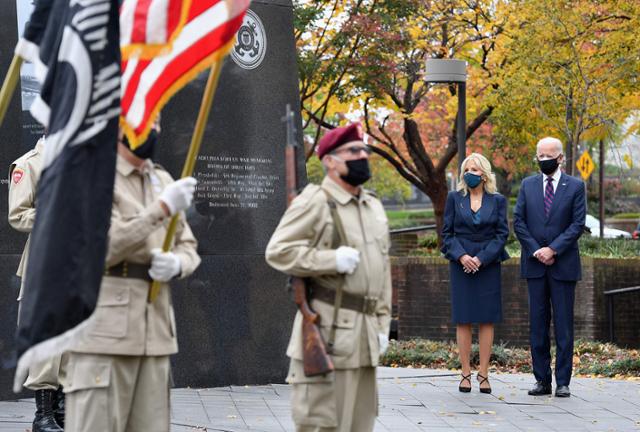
570,156
504,185
438,195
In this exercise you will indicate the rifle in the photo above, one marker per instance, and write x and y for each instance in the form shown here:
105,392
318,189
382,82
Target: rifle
315,359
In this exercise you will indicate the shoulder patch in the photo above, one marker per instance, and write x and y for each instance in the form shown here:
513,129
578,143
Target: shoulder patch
17,175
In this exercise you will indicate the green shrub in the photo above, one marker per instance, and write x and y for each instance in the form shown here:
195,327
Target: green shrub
589,247
429,241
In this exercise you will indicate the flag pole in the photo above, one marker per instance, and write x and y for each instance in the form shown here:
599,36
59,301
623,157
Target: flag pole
9,85
190,162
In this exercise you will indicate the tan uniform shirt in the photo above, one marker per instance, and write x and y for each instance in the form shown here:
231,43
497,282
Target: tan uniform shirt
124,323
302,246
24,174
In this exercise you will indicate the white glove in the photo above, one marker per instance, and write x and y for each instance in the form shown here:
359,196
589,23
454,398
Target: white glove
164,265
383,340
347,259
178,195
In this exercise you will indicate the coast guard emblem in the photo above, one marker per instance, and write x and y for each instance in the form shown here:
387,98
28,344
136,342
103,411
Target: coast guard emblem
251,42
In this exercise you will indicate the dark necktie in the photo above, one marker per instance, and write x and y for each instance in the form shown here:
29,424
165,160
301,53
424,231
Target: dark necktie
548,196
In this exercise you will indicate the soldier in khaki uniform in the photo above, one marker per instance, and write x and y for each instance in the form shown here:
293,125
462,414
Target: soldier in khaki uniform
118,371
303,245
43,379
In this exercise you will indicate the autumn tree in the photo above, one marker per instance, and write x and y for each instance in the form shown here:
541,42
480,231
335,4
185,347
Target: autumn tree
328,37
571,69
390,79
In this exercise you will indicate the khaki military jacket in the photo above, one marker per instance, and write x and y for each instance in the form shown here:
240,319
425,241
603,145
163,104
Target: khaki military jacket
302,246
124,323
24,174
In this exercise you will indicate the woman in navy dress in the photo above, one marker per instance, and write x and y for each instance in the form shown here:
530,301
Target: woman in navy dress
474,235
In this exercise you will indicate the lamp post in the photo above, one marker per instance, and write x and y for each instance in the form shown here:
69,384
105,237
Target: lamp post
452,71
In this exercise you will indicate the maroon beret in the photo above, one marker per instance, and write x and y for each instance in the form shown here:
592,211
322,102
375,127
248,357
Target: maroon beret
338,136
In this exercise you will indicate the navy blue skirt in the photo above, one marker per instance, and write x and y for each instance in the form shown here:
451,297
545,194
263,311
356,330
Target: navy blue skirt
476,298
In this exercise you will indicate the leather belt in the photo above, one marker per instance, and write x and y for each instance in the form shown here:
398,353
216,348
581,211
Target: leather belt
366,305
129,270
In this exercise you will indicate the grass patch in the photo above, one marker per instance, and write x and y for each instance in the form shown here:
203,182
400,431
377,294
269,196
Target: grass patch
626,216
590,358
409,218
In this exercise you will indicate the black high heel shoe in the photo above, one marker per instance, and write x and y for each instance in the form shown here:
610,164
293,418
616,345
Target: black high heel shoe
482,379
465,378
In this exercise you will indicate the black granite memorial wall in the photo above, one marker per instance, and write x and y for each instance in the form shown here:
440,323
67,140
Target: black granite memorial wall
233,315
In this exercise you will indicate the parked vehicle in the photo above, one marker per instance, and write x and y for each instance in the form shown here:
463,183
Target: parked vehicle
593,226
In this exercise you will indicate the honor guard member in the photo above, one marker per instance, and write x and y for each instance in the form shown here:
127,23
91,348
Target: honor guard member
305,244
118,371
24,174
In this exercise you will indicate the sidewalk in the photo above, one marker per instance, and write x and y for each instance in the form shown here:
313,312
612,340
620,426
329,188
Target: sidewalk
410,400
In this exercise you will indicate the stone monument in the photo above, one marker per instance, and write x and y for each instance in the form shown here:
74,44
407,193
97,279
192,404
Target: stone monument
234,314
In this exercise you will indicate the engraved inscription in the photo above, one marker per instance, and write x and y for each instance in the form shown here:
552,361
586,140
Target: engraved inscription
235,181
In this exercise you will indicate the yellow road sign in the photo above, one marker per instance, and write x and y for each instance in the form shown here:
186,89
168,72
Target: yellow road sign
585,165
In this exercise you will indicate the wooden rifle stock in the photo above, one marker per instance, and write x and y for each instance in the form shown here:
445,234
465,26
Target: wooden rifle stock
315,359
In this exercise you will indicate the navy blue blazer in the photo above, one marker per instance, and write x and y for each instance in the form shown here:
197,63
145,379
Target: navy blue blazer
560,231
486,240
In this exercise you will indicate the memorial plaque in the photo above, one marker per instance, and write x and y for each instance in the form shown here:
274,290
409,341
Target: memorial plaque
233,315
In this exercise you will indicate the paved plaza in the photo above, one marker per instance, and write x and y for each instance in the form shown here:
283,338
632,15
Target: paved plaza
410,400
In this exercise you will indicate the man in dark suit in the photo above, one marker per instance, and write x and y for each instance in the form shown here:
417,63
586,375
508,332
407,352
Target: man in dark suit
549,218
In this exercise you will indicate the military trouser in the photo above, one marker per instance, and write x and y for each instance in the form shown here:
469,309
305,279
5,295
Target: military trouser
117,393
343,401
48,375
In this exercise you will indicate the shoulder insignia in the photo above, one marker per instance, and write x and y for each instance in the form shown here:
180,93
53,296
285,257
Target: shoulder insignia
17,175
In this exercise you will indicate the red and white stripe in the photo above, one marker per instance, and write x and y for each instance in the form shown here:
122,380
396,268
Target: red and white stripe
210,26
150,22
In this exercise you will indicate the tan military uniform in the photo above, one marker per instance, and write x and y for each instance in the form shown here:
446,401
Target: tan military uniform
118,372
24,174
302,246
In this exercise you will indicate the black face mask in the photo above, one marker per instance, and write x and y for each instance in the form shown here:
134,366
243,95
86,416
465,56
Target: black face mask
359,172
548,166
148,148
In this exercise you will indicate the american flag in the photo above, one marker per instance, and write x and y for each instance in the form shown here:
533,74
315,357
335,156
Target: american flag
148,83
149,27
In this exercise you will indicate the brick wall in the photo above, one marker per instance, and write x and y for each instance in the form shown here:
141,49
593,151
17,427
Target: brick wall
422,301
610,274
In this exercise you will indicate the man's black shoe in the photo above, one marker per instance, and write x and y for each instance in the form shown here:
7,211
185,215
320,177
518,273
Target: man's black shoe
540,389
563,391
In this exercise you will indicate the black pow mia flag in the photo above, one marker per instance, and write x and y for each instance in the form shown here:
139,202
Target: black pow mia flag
74,45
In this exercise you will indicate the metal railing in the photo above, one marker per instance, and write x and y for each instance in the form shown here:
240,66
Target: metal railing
610,295
413,229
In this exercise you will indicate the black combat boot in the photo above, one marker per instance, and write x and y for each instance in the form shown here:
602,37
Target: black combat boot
45,420
58,407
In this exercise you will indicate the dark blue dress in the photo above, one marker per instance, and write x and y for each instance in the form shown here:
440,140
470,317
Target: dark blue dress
475,298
